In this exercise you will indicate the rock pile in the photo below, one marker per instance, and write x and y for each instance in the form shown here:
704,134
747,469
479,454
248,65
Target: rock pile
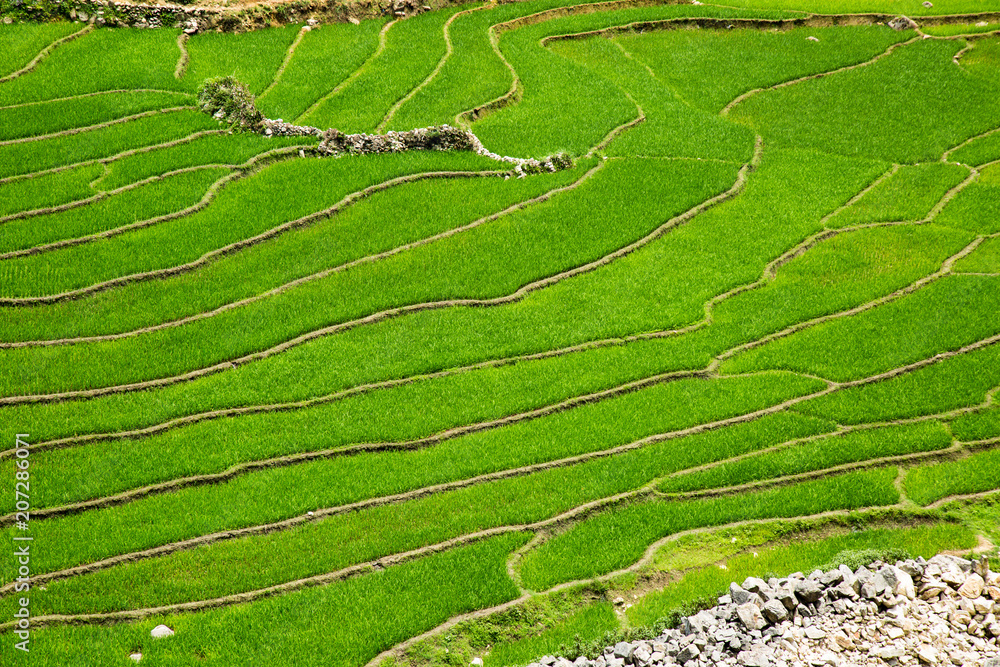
938,612
229,101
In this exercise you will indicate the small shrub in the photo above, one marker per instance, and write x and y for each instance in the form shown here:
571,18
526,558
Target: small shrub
230,101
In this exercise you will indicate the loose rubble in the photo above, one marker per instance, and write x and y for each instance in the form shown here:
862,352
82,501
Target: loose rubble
920,613
229,101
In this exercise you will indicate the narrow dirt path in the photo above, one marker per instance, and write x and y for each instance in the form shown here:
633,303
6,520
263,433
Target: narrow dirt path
382,36
44,53
183,59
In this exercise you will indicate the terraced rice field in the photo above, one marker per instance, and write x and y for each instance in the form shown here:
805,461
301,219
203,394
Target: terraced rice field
409,408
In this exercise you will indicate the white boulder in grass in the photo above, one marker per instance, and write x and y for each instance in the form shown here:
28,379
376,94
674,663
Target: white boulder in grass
135,656
161,631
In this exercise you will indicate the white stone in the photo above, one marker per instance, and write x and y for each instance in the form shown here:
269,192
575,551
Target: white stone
161,631
135,656
973,587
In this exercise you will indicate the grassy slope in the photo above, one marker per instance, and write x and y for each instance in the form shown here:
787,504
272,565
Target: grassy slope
22,42
881,110
581,86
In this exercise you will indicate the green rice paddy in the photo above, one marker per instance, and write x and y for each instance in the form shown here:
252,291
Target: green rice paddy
412,408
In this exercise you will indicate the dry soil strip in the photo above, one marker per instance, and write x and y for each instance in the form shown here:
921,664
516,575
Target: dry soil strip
382,37
374,502
729,107
239,171
517,295
183,59
284,63
449,49
44,53
98,126
112,158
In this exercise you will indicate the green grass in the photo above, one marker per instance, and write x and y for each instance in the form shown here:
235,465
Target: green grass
671,128
233,149
462,266
838,273
356,232
618,538
252,57
170,194
953,383
284,492
23,41
737,61
101,143
323,59
453,91
909,194
142,59
742,236
880,110
344,623
984,259
50,190
217,225
593,620
950,30
49,117
977,207
804,555
978,472
947,314
979,151
823,141
561,108
416,411
816,455
984,59
977,425
413,49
